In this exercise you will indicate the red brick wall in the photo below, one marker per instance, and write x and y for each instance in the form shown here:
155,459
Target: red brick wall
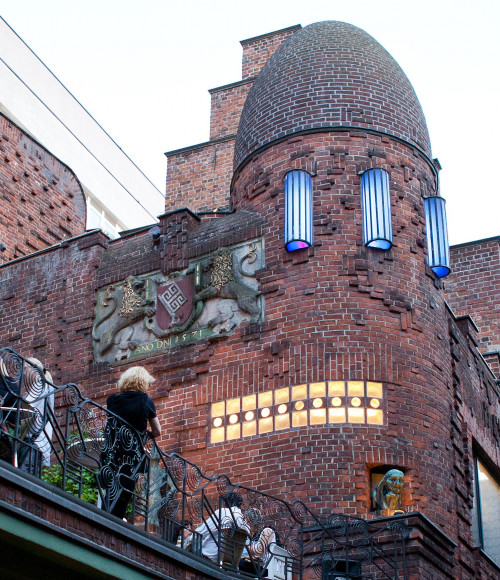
42,200
259,49
473,288
199,177
340,311
48,304
227,103
475,431
337,311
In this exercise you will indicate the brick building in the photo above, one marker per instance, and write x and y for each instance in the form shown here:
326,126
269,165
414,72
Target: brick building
307,373
42,200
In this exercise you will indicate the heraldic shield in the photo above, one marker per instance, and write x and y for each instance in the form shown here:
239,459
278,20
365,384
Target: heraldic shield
174,302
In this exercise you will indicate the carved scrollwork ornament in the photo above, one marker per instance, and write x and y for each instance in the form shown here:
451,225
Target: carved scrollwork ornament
214,295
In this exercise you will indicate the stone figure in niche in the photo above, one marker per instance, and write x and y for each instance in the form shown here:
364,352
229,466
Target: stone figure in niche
122,306
387,494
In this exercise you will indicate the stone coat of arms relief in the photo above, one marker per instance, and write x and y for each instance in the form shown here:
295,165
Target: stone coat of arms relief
211,298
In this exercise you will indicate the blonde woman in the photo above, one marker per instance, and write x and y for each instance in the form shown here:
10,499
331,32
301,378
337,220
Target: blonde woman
133,405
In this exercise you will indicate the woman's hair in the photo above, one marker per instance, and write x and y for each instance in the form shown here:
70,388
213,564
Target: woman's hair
135,379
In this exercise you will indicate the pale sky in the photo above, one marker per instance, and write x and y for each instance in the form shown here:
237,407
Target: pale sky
143,69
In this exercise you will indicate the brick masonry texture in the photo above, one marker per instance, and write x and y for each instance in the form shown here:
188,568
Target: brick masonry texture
42,201
474,288
200,177
335,311
258,50
202,174
225,112
330,74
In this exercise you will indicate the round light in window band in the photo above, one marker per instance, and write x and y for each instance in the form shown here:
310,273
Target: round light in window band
355,401
375,403
282,409
376,202
317,403
233,419
265,412
299,405
438,251
218,422
336,402
298,210
249,415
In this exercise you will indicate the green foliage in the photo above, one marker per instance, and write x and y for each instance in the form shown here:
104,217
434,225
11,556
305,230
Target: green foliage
89,493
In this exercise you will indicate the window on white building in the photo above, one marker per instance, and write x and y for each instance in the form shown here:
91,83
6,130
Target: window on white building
97,218
486,516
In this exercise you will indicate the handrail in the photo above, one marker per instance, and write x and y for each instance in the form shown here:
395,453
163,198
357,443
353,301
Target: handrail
88,446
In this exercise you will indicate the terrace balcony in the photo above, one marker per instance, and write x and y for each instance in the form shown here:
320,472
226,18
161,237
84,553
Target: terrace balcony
55,519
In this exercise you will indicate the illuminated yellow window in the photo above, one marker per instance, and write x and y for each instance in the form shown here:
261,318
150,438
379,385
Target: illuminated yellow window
355,415
317,390
282,395
266,425
336,415
233,432
318,403
332,402
249,403
336,388
233,406
249,428
356,388
217,435
282,422
218,409
374,390
299,392
374,416
299,419
317,416
265,399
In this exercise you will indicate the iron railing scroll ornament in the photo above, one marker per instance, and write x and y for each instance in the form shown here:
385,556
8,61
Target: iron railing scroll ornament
170,496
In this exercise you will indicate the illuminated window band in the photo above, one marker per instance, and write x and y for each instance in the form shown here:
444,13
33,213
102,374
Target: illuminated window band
328,402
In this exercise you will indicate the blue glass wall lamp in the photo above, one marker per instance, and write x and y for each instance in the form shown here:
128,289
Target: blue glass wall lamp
376,207
438,251
298,210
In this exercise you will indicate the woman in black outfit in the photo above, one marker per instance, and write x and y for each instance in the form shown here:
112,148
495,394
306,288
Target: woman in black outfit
123,455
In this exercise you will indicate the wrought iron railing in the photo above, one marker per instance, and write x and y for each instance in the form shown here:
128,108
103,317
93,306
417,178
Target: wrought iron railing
59,435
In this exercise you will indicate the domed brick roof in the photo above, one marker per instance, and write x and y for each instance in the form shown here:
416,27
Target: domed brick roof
327,75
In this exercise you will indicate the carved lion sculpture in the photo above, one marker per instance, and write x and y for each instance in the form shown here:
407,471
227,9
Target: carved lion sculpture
218,281
122,307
